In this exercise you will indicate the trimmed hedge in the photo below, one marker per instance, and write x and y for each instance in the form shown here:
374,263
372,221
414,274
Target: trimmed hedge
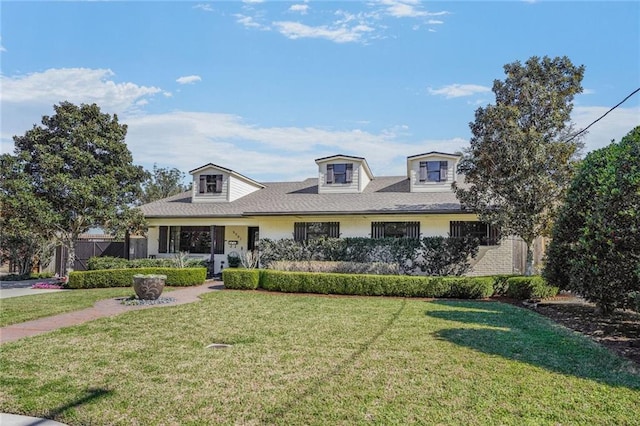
179,277
241,279
362,285
533,287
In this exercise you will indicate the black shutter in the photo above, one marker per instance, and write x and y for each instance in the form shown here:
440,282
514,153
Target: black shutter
218,183
494,235
329,173
412,230
423,171
162,242
218,240
300,231
334,229
444,171
203,184
377,229
455,229
349,173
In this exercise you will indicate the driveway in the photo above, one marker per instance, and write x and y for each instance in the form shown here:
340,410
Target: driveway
22,288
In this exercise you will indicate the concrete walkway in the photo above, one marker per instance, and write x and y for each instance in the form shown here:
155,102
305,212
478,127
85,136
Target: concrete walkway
103,308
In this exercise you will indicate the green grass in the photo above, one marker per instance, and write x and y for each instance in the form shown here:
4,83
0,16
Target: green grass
319,360
26,308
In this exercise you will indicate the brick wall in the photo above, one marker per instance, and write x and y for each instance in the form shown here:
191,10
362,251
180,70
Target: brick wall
501,259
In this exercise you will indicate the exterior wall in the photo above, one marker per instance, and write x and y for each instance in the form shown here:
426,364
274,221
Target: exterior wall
503,259
414,174
239,188
358,183
220,197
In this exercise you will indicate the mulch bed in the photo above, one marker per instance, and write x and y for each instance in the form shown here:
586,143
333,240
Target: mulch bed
620,332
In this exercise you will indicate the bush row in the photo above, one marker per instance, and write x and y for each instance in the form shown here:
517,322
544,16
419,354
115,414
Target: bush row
371,268
31,276
363,285
179,277
388,285
108,262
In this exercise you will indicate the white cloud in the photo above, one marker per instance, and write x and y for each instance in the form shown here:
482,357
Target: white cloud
301,8
24,99
188,79
434,22
204,7
459,90
252,1
341,34
615,125
403,8
249,22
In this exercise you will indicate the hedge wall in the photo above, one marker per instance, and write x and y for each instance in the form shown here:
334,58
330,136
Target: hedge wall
179,277
362,285
533,287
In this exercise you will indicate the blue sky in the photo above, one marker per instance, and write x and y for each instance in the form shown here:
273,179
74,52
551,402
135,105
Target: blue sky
264,88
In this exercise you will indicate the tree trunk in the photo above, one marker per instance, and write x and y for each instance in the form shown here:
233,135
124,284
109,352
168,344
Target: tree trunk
529,262
71,256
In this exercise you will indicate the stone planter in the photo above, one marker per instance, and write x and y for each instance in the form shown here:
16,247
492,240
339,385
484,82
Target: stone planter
148,287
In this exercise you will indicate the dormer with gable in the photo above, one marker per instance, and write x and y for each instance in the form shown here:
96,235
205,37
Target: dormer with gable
215,184
432,171
343,174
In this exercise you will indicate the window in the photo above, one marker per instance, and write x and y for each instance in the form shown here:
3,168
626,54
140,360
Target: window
339,173
210,184
395,229
433,171
303,231
191,239
488,235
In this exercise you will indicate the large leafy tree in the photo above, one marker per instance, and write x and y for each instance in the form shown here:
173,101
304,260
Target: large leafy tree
595,250
69,174
161,183
519,162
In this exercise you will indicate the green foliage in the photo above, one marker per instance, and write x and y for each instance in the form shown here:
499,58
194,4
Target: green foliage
327,266
500,283
433,255
241,279
595,250
108,262
178,277
234,260
376,285
519,163
531,287
70,174
162,183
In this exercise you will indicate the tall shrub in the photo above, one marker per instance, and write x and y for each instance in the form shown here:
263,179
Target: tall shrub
596,241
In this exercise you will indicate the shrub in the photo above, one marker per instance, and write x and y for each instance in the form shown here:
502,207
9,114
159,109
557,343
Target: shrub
500,285
374,268
241,279
179,261
530,287
107,262
124,277
376,285
595,250
233,259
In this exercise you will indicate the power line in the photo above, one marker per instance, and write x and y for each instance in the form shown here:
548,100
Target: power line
603,115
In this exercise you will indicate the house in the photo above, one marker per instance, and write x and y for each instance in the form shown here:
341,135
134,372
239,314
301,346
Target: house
228,212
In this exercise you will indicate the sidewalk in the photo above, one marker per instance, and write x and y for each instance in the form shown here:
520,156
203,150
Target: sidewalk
103,308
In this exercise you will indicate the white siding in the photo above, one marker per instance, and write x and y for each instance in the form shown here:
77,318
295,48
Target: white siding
414,174
340,188
239,188
210,198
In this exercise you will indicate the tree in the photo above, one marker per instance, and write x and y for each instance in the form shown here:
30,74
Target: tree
595,250
519,162
70,174
162,183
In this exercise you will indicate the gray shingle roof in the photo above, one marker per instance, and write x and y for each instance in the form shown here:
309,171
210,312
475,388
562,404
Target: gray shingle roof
383,195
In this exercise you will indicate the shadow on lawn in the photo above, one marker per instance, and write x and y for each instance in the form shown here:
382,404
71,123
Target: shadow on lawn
521,335
91,394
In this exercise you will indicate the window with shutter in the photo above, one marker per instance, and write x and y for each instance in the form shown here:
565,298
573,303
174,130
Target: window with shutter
163,240
487,234
395,229
339,173
210,184
303,231
435,171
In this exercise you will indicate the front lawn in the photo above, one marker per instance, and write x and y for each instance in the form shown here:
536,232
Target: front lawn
26,308
319,360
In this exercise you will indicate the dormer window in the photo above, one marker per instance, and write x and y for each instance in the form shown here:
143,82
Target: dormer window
433,171
210,184
340,173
